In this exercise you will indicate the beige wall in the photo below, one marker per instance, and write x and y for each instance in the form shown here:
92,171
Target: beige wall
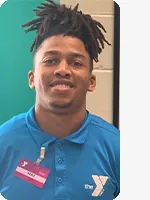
100,101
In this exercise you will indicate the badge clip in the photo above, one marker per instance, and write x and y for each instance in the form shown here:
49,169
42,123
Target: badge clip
42,155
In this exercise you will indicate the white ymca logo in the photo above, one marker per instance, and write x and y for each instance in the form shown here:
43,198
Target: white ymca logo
1,197
24,164
100,182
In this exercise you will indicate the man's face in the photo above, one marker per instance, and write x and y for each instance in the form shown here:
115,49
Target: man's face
61,75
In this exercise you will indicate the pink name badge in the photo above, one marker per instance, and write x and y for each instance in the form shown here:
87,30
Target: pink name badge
32,173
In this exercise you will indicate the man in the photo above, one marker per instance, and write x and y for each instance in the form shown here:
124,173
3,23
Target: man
58,150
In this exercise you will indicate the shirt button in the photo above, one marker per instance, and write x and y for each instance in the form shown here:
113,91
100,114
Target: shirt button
60,180
60,160
58,144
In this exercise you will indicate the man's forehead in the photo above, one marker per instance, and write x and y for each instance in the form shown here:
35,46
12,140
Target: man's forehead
62,41
62,45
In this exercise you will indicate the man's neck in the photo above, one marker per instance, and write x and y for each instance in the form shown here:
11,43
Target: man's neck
59,125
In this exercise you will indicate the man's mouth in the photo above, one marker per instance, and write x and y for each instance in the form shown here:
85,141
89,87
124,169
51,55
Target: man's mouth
61,85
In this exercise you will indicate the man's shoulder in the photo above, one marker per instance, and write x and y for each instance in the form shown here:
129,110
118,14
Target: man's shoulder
104,133
103,125
15,123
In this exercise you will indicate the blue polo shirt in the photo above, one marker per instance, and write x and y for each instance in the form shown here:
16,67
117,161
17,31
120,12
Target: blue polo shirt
83,166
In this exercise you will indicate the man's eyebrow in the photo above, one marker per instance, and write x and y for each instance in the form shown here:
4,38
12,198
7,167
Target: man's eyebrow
71,54
52,52
78,55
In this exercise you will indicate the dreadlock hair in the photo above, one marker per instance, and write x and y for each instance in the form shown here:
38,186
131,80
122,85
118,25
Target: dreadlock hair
56,19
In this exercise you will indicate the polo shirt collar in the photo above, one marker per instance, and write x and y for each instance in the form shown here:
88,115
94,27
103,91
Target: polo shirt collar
41,137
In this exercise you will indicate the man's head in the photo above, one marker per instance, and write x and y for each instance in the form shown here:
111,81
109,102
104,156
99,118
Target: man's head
67,42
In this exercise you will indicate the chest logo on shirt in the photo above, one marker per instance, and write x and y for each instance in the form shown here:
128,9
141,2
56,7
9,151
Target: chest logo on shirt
100,181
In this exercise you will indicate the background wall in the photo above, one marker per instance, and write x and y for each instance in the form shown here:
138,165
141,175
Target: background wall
15,57
100,101
16,60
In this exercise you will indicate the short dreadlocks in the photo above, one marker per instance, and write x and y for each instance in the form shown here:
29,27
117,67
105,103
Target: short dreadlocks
56,19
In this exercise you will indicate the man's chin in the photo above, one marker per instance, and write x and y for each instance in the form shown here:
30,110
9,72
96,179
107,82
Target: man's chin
62,105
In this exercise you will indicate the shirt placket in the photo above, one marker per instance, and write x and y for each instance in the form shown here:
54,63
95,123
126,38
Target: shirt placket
61,171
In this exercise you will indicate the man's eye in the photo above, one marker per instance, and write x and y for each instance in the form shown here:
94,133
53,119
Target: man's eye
77,64
51,61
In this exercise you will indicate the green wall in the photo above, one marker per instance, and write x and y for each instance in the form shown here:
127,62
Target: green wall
15,58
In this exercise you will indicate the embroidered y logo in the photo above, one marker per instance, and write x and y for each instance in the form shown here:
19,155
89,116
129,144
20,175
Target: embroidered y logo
100,182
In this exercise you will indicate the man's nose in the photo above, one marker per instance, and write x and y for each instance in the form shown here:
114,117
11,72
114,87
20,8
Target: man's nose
63,69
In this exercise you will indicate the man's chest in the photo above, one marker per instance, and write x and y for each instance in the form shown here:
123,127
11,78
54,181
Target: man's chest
72,176
69,185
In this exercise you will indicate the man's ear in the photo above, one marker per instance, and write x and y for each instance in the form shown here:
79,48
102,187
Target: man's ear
31,79
92,83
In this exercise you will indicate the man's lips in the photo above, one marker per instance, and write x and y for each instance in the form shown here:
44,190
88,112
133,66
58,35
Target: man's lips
61,84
